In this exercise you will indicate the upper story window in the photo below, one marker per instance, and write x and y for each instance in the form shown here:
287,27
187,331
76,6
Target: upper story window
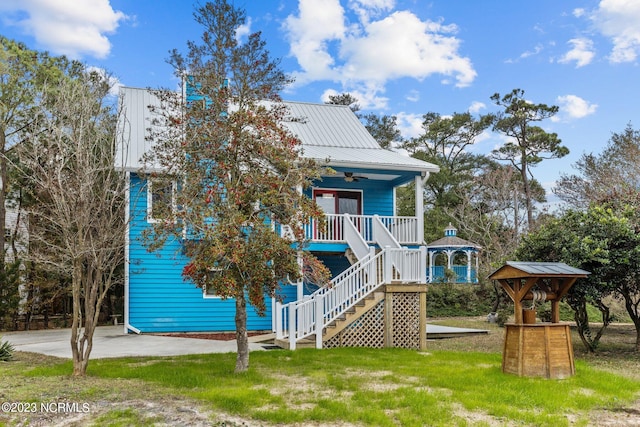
161,200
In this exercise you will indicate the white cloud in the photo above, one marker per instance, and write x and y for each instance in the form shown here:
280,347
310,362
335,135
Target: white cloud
114,82
413,96
368,9
375,46
243,30
536,50
401,45
318,23
70,27
620,21
574,107
582,52
579,12
526,54
410,125
368,98
476,107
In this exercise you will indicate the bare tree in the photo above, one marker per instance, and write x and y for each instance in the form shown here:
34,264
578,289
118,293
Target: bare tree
605,176
78,197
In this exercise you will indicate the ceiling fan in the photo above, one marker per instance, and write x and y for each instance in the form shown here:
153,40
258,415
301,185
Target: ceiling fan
350,177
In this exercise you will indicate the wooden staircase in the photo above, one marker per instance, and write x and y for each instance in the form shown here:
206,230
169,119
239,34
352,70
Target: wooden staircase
339,324
319,317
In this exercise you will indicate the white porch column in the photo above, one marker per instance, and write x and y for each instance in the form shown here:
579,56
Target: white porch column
431,255
423,264
468,266
420,206
300,283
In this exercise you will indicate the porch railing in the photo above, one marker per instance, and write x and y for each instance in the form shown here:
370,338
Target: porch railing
403,228
309,316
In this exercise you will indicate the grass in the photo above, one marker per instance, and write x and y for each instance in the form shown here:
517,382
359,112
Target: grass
448,385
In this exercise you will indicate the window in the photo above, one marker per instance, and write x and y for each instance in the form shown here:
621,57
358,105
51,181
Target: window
209,294
161,200
206,292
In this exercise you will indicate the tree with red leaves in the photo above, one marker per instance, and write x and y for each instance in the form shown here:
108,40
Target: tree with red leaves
238,172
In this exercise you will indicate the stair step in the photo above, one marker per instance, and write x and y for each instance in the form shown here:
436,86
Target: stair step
303,343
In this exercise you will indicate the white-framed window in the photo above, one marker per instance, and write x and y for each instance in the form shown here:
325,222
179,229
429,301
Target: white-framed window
161,200
208,293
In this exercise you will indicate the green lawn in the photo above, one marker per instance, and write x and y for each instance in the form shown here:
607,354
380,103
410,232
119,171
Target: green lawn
386,387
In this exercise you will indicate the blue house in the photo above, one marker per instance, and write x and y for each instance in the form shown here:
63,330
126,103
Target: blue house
362,241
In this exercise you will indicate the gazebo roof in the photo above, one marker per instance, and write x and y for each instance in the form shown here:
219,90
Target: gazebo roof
452,242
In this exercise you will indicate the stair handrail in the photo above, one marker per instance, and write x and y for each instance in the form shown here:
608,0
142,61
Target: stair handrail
383,235
282,310
354,238
311,315
300,316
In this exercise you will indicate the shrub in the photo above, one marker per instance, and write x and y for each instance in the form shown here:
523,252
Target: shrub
6,351
451,300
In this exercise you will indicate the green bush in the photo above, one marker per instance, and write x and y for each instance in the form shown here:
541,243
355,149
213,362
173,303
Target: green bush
6,351
453,300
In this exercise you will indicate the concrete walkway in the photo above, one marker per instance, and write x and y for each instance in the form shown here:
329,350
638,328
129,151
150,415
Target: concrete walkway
110,341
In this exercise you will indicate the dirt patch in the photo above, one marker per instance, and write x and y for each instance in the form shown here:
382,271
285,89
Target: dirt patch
617,417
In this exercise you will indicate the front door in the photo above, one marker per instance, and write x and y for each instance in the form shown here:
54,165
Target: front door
338,202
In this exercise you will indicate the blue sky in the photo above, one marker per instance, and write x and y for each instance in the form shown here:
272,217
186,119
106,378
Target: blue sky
400,57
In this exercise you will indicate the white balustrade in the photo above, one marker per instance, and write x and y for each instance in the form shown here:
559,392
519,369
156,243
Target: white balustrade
403,228
301,319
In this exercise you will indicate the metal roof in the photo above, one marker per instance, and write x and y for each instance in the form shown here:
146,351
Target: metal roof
328,125
549,269
327,132
334,133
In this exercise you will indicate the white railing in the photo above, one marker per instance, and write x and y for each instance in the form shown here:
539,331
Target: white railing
403,228
307,317
355,240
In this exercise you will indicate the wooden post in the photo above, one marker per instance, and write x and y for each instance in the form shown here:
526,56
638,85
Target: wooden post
422,344
388,319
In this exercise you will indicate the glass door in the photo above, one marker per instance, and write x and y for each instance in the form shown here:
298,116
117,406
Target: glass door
333,203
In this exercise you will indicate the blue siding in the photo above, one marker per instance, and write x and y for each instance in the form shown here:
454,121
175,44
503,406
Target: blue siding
377,196
160,300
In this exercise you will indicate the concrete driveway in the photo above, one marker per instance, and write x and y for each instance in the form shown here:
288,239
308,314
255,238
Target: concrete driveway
110,341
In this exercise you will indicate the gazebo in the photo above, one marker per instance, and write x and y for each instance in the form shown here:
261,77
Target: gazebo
450,246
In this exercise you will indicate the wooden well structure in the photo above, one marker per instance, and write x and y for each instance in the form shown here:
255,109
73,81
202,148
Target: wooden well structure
534,349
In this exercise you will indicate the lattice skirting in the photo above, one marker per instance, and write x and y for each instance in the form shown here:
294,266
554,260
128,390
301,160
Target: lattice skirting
397,321
406,325
366,331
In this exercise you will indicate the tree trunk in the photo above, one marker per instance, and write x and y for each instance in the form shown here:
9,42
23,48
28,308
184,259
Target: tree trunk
634,314
527,191
76,325
242,359
582,323
3,193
